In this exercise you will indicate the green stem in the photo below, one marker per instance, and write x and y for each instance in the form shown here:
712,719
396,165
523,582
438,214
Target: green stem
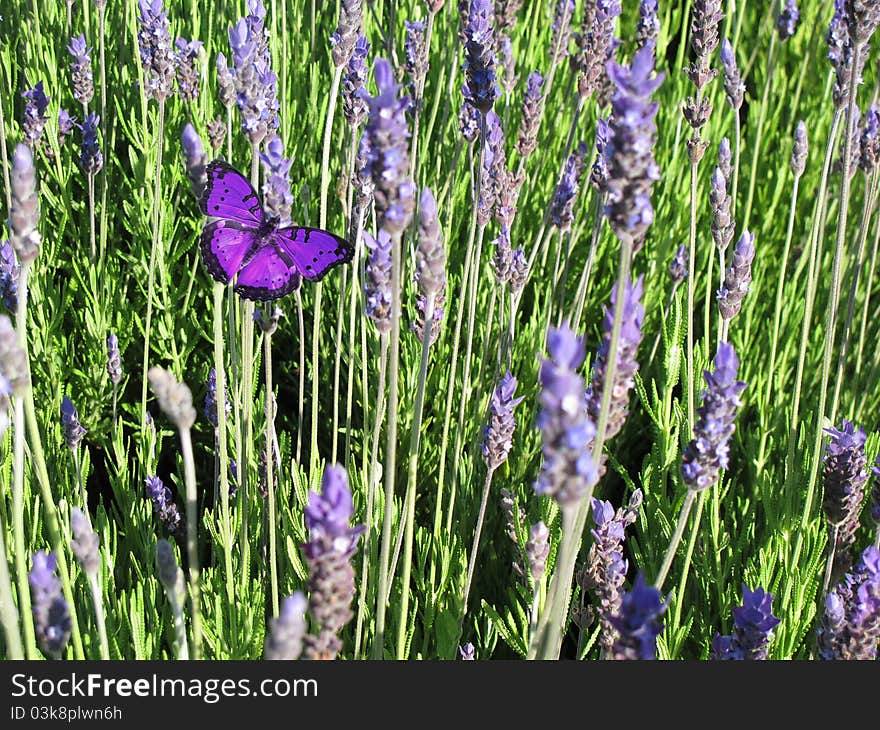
154,247
695,529
98,603
692,254
412,477
220,375
192,536
475,547
270,461
8,611
683,515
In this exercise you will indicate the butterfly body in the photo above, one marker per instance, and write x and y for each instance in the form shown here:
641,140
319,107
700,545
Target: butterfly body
243,245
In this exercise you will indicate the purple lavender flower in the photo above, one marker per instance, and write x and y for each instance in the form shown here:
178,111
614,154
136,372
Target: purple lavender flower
81,70
787,20
863,17
157,54
562,203
724,158
599,171
90,158
36,103
24,216
508,64
498,434
73,430
627,365
114,359
597,46
14,375
565,425
638,624
738,278
416,57
351,21
467,652
649,24
216,133
845,476
850,627
753,624
430,263
225,82
480,89
287,630
538,550
706,15
494,175
52,622
532,111
734,88
195,161
354,107
66,124
722,223
869,143
709,450
186,56
175,397
331,545
678,268
277,198
9,272
84,543
562,16
211,398
163,505
606,565
519,269
875,493
377,280
842,43
799,150
502,259
469,122
505,14
631,165
389,152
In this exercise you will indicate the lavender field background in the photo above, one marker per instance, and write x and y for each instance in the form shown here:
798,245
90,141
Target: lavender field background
599,382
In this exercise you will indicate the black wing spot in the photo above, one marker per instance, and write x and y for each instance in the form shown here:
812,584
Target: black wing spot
216,207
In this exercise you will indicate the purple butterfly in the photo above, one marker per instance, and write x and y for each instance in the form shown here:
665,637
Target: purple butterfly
248,247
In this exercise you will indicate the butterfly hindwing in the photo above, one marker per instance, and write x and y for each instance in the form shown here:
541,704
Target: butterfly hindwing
229,195
225,245
268,274
314,251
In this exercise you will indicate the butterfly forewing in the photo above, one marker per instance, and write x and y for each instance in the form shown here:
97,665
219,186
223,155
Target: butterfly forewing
314,251
229,195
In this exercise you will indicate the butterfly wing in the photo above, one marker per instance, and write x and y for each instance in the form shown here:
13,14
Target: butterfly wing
225,245
267,274
229,195
313,251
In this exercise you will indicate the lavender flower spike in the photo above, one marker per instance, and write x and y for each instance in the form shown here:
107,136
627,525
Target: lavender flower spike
708,452
704,40
734,88
36,103
628,343
799,150
24,216
329,550
638,625
738,277
9,271
538,550
163,505
532,111
631,166
73,430
377,282
597,45
567,431
480,89
216,133
719,197
354,108
561,37
287,630
175,398
90,158
157,54
678,268
416,57
787,20
51,613
351,20
753,628
85,543
467,652
194,160
850,627
562,203
277,198
869,142
649,24
430,266
225,82
210,409
114,359
66,123
388,159
606,566
845,475
498,435
186,57
81,70
14,374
